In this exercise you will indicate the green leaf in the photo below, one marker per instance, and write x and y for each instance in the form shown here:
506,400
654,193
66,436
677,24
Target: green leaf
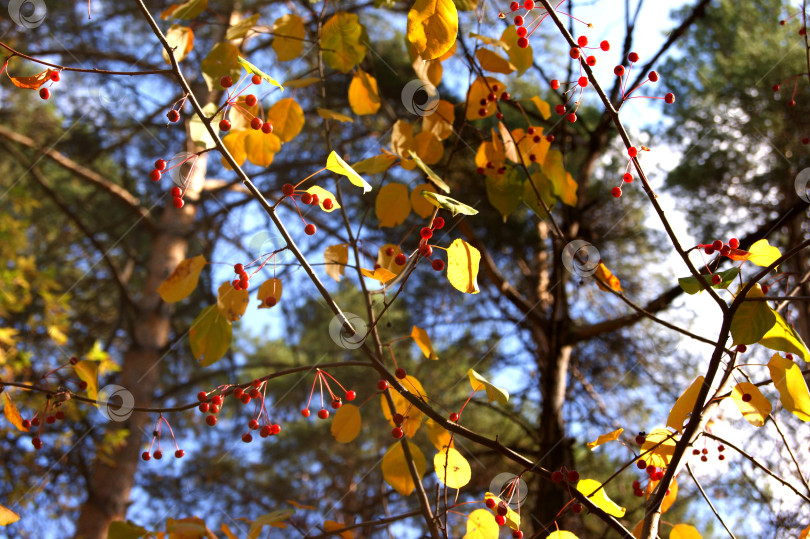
339,166
494,393
250,68
451,204
690,284
505,191
783,337
222,60
752,320
210,336
438,182
240,29
546,191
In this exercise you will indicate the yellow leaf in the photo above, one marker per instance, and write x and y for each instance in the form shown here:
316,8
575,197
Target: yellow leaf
440,123
346,423
331,525
395,468
491,61
232,303
488,40
562,534
324,195
684,531
250,68
364,98
393,204
462,266
342,41
87,371
432,176
480,89
763,253
12,413
439,436
494,393
210,336
332,115
386,258
428,71
564,185
432,27
235,144
224,529
287,118
536,145
512,517
789,380
481,525
288,37
600,498
186,10
303,83
522,59
402,139
662,454
684,405
240,29
602,272
7,516
183,280
423,342
271,288
757,407
335,258
413,416
784,338
261,147
428,147
375,165
605,438
420,204
452,468
181,39
380,274
542,107
337,165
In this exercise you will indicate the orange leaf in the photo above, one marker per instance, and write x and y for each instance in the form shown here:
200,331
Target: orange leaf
12,414
33,82
603,273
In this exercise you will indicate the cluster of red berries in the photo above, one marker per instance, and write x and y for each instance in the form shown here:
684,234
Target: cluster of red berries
176,192
582,82
558,476
652,77
243,280
322,377
723,249
501,509
158,454
627,177
492,97
250,101
308,199
526,27
45,93
425,249
704,453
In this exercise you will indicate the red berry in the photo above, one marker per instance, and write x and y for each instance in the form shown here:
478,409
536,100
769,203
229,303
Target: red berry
704,458
177,202
633,57
426,232
246,397
583,81
437,265
616,192
44,93
158,455
217,400
37,443
400,259
734,243
591,60
560,109
557,476
582,40
550,138
253,424
555,84
267,128
173,116
741,348
179,453
160,164
224,125
270,301
226,82
641,464
491,503
640,439
454,417
323,413
605,45
806,141
528,4
627,178
204,406
305,412
247,437
351,395
500,520
505,96
400,373
669,98
514,6
619,71
155,175
636,485
522,31
426,251
398,419
287,189
328,204
576,508
571,117
50,420
382,385
176,192
653,76
310,229
517,534
632,151
721,448
250,100
650,469
213,408
638,492
397,432
238,392
574,53
336,404
35,422
256,124
482,112
438,223
145,455
717,245
54,76
519,20
721,457
746,397
255,79
202,396
716,279
26,424
254,393
306,198
265,432
502,509
573,476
